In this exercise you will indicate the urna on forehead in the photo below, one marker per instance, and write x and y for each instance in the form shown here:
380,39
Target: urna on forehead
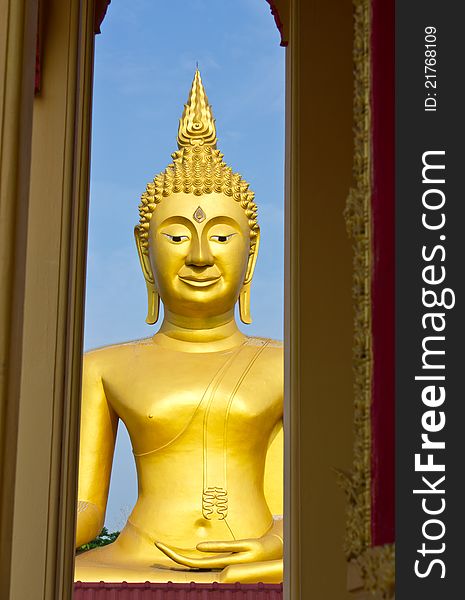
198,171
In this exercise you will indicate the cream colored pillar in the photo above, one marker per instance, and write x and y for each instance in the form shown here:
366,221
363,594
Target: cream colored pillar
18,21
319,314
42,416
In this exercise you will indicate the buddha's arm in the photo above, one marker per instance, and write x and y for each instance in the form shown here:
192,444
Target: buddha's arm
99,424
274,472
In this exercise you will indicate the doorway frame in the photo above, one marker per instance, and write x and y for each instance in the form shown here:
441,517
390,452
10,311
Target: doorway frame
44,315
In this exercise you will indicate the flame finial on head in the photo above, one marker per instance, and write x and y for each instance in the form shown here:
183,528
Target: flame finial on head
197,125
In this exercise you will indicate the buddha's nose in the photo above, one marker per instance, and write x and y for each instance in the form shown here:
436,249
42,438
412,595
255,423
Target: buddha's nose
199,254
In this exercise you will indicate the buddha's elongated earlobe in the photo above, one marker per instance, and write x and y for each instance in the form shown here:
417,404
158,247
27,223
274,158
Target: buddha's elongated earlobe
244,304
153,304
244,296
153,299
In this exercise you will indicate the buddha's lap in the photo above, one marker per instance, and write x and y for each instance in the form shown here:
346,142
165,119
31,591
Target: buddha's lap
132,550
137,571
93,566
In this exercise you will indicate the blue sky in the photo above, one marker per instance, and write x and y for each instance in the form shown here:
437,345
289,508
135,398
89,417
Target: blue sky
144,64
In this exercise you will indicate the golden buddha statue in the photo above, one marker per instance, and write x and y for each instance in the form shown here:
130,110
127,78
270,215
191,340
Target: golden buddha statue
201,401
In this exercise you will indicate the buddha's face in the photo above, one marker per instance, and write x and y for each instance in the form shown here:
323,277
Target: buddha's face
199,253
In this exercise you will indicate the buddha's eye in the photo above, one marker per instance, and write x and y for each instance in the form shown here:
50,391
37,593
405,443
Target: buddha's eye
176,239
222,239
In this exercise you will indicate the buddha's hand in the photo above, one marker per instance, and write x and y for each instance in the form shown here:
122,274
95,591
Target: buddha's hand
268,547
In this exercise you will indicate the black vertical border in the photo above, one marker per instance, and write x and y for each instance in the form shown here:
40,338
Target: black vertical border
419,131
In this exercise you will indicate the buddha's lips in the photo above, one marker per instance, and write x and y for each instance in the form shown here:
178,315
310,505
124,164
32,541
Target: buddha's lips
199,281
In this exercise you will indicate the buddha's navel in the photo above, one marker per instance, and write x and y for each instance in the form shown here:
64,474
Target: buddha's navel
203,527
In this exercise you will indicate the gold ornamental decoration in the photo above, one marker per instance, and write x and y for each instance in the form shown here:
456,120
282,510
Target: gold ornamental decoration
376,564
377,568
357,484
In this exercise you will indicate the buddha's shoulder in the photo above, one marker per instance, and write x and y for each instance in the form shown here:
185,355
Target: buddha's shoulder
263,341
267,357
271,349
115,354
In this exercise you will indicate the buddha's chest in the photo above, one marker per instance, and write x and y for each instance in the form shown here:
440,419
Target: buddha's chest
199,398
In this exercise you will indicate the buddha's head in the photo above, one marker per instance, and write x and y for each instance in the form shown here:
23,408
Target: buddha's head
198,234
